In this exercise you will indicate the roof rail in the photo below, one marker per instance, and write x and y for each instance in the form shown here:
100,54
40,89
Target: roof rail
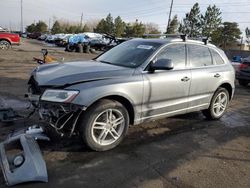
182,36
205,40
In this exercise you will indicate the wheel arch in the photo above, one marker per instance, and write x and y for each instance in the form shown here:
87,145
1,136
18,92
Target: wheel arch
229,88
124,101
5,39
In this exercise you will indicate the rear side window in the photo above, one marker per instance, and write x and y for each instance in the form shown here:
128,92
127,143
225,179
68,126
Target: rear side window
217,58
175,52
199,56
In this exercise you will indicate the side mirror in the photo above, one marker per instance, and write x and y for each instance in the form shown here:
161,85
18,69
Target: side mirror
162,64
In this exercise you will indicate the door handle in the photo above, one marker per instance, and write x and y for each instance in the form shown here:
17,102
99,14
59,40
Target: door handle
217,75
185,79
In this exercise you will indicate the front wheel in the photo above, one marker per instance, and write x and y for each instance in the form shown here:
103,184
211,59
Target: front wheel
218,105
104,125
4,45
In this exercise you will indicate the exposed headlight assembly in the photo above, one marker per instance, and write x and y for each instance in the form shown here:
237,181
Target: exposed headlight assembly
64,96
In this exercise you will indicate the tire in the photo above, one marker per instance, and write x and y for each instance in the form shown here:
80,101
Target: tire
69,48
4,45
97,133
217,107
243,82
79,48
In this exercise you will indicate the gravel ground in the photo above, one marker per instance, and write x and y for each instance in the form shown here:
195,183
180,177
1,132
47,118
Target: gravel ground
182,151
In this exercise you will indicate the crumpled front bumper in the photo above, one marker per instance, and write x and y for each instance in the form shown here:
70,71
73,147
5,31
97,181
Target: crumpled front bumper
21,160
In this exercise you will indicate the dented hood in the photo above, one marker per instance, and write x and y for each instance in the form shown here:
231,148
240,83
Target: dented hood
60,74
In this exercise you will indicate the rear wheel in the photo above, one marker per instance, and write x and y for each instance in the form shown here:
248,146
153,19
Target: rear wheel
243,82
218,105
4,45
104,125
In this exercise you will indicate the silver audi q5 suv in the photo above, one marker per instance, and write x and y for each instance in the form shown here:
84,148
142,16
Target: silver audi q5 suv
137,81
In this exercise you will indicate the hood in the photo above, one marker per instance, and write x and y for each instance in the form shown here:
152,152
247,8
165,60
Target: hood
60,74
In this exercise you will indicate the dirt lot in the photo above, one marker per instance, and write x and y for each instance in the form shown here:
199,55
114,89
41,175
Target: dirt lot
183,151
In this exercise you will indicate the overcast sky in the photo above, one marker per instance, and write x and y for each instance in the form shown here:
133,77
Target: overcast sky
144,10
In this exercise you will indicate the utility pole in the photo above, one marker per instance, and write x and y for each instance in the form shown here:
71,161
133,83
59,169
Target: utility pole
49,26
81,20
21,17
170,13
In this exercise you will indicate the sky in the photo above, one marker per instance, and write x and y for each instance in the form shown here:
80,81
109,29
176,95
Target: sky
147,11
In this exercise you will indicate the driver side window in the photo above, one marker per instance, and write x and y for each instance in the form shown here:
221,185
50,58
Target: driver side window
177,54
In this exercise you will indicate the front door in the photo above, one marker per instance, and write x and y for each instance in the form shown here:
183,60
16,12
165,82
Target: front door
166,91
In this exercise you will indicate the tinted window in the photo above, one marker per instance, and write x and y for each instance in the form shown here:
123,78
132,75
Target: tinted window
129,54
217,58
176,53
199,56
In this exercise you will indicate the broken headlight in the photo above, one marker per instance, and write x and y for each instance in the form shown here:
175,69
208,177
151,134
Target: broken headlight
65,96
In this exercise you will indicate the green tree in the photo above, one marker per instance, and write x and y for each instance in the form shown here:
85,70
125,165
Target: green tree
211,20
226,34
101,27
31,28
119,27
192,22
138,29
129,32
109,24
57,28
41,27
105,25
247,32
173,25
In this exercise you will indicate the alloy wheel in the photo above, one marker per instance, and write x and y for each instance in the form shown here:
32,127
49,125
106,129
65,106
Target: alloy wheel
108,127
4,45
220,104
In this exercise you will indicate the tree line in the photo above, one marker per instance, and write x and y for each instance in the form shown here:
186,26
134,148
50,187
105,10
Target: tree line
194,24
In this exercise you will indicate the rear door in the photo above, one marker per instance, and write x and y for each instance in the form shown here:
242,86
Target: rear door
206,75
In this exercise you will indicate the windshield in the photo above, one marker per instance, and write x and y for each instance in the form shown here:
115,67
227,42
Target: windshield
129,54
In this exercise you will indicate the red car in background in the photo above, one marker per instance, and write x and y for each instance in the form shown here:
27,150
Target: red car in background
8,39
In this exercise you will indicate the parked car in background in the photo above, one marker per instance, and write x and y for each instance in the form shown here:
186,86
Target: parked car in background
236,61
8,39
35,35
98,44
62,41
243,72
43,37
24,35
137,81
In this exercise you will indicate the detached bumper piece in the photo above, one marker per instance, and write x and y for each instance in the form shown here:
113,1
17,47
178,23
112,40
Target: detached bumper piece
8,115
34,131
21,160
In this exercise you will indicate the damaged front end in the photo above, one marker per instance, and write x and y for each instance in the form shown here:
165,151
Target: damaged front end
62,117
54,107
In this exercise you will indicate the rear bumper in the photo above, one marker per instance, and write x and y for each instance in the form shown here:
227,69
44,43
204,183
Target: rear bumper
242,76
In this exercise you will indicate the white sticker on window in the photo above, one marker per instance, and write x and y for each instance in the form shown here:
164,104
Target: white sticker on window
146,47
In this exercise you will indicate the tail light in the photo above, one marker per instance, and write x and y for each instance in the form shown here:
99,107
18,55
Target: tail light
243,66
